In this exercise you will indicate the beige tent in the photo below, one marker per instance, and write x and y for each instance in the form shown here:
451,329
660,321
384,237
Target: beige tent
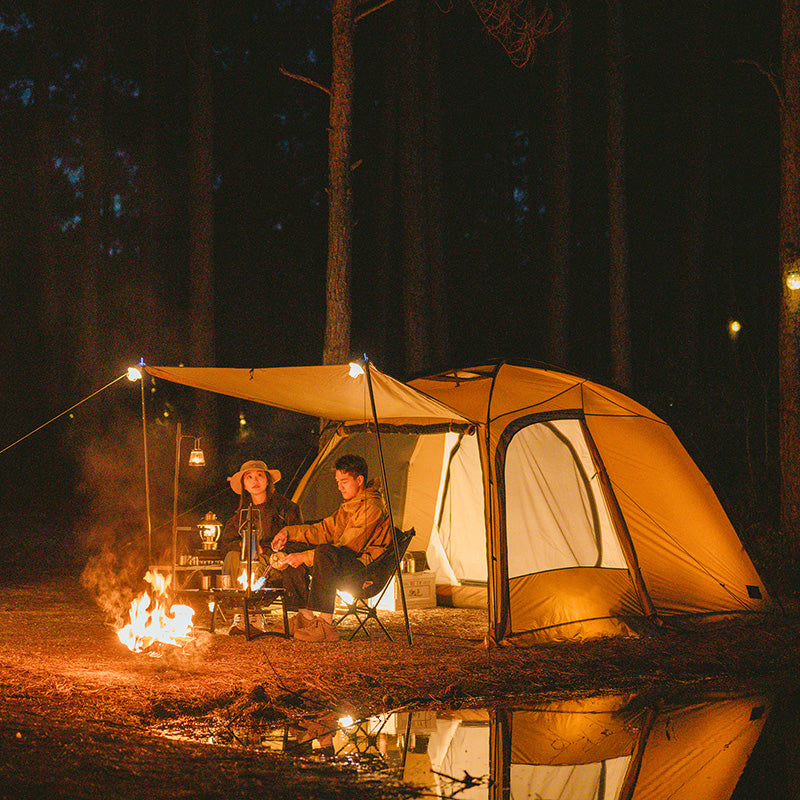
562,505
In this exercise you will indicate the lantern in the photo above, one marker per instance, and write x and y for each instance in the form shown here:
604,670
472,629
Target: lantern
209,529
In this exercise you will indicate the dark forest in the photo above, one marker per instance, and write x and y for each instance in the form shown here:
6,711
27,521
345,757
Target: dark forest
481,225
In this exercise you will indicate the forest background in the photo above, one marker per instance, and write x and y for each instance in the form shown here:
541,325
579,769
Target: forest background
602,197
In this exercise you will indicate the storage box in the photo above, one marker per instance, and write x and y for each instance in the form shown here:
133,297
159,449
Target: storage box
420,591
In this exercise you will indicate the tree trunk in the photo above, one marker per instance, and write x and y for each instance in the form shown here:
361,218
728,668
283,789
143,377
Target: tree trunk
201,217
692,224
619,301
789,254
384,205
153,204
340,191
559,196
413,241
88,356
434,192
49,280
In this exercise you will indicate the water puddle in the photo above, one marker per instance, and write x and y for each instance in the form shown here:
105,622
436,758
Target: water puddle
613,747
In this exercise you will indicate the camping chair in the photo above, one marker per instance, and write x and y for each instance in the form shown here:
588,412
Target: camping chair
376,579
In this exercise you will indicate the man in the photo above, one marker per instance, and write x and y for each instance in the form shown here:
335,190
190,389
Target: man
345,543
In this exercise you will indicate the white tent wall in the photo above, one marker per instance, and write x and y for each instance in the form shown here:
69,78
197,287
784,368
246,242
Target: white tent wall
567,573
461,520
603,779
556,513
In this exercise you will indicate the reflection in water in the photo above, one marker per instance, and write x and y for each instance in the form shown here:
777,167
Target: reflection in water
606,748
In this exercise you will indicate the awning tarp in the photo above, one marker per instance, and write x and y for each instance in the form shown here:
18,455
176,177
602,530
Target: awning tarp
329,392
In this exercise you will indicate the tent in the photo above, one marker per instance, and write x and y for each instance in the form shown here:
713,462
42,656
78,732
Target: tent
563,506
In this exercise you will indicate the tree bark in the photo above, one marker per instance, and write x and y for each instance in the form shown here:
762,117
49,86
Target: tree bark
201,218
692,224
559,196
432,167
93,182
340,190
619,301
789,255
413,239
49,279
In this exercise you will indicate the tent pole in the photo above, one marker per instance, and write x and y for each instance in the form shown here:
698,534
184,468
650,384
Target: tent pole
146,476
388,501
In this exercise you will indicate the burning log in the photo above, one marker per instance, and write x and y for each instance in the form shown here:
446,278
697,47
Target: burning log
153,622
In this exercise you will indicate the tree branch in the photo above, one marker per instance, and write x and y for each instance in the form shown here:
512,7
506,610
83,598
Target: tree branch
303,79
368,7
768,74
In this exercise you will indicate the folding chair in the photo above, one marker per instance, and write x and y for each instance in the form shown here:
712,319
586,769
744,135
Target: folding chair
376,579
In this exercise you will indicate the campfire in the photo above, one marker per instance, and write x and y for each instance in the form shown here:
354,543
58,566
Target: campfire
152,624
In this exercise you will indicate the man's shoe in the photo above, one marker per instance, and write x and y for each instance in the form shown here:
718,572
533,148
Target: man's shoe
320,631
299,621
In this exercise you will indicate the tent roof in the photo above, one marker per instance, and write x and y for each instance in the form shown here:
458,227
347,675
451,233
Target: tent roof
329,392
495,390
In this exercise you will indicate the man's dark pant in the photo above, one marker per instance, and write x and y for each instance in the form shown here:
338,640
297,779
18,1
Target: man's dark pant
334,568
293,579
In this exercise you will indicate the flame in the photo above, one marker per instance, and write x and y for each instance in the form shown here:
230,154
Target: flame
255,583
151,622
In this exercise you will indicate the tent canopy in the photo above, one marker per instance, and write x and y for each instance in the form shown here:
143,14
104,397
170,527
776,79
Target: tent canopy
330,392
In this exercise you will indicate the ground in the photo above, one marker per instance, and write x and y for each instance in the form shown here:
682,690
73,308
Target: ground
81,716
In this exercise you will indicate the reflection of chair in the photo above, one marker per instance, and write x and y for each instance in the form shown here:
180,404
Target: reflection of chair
376,578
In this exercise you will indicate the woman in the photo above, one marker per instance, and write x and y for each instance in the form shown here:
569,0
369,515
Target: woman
267,511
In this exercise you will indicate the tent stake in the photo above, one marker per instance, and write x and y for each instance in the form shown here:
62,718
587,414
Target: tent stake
388,501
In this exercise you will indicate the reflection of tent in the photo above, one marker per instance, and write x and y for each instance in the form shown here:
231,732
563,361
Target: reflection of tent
573,505
605,747
695,751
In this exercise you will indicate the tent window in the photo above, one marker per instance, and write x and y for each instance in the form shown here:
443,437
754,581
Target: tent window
556,514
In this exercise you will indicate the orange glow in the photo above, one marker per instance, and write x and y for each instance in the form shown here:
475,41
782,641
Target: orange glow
255,583
151,622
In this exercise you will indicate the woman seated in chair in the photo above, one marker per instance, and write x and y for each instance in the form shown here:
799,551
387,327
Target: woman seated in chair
343,545
267,511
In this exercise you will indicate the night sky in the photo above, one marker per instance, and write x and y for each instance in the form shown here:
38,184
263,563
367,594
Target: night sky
270,228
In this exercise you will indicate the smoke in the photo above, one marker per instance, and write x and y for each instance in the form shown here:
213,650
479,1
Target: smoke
112,531
112,581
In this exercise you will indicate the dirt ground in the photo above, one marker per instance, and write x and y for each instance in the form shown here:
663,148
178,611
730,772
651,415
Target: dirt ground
81,716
